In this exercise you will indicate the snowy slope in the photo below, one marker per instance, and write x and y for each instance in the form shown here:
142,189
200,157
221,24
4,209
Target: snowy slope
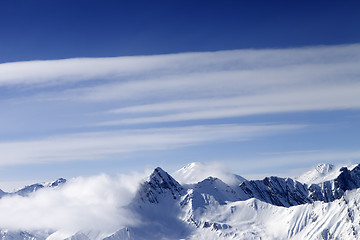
23,235
253,219
321,173
272,208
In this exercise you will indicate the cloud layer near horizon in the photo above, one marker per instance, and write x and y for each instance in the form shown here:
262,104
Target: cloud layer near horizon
94,203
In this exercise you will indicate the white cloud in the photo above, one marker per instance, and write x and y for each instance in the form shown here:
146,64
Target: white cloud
232,84
83,203
215,82
81,69
167,88
193,86
97,145
346,96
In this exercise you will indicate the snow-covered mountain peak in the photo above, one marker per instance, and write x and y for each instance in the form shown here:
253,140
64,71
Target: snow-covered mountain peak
321,173
25,191
193,165
159,185
160,178
217,189
190,173
196,172
56,183
324,168
211,181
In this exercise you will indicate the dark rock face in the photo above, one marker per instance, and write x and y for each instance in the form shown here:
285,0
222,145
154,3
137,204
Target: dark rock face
57,182
287,192
277,191
160,185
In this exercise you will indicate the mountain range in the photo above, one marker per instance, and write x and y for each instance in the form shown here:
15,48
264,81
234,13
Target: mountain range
323,203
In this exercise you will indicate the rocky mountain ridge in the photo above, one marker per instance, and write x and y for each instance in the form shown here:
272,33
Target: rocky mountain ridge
27,190
212,209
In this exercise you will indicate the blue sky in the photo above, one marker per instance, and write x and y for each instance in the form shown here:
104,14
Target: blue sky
116,86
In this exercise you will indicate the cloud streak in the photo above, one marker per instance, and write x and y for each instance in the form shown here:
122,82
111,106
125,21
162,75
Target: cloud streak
82,69
213,83
319,98
230,84
198,86
84,94
99,145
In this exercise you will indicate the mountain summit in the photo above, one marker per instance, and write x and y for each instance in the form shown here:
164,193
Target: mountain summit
321,173
159,186
272,208
196,172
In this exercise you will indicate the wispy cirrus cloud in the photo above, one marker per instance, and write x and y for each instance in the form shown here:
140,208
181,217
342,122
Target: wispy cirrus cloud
216,83
82,69
230,84
99,145
346,96
130,91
